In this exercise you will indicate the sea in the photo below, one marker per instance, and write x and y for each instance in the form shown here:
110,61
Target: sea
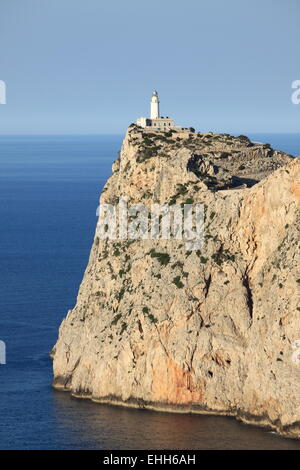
49,191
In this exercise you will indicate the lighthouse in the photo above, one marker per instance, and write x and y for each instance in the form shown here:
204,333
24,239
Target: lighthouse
154,112
155,122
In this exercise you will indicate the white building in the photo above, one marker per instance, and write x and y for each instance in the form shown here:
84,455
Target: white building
156,122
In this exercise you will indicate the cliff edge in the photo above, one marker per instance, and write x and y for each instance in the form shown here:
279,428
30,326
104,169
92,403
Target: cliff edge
213,330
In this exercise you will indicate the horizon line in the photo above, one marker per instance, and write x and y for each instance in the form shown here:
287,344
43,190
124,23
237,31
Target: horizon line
121,133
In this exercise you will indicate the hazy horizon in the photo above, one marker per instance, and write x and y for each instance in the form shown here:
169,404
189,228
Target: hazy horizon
123,133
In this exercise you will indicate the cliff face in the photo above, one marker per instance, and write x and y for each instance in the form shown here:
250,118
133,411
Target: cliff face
210,330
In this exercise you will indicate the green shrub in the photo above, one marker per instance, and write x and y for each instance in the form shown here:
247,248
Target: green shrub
120,294
221,256
116,319
178,264
163,258
152,318
147,153
189,200
123,327
148,141
177,282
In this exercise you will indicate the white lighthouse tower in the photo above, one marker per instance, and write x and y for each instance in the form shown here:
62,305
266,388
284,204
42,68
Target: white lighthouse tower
155,122
154,113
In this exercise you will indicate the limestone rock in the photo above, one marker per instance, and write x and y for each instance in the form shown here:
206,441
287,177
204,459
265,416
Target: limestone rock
210,330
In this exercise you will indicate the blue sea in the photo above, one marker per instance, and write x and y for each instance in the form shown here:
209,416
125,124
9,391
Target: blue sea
49,190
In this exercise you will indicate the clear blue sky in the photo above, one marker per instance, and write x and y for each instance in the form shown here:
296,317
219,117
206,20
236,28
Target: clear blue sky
89,66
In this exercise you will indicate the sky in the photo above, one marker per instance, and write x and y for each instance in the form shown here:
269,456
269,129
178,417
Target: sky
89,66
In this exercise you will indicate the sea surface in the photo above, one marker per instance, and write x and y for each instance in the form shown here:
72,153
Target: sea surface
49,190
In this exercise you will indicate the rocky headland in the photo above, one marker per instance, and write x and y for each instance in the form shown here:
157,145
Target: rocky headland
213,330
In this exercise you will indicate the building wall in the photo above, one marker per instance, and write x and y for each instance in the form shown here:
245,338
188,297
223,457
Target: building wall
162,123
142,121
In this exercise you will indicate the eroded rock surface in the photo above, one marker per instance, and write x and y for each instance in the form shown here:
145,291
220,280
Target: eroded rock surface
210,330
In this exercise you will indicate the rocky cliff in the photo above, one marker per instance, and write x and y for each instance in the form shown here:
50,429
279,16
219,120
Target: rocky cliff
213,330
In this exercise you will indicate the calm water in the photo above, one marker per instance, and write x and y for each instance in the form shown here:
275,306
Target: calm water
49,188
